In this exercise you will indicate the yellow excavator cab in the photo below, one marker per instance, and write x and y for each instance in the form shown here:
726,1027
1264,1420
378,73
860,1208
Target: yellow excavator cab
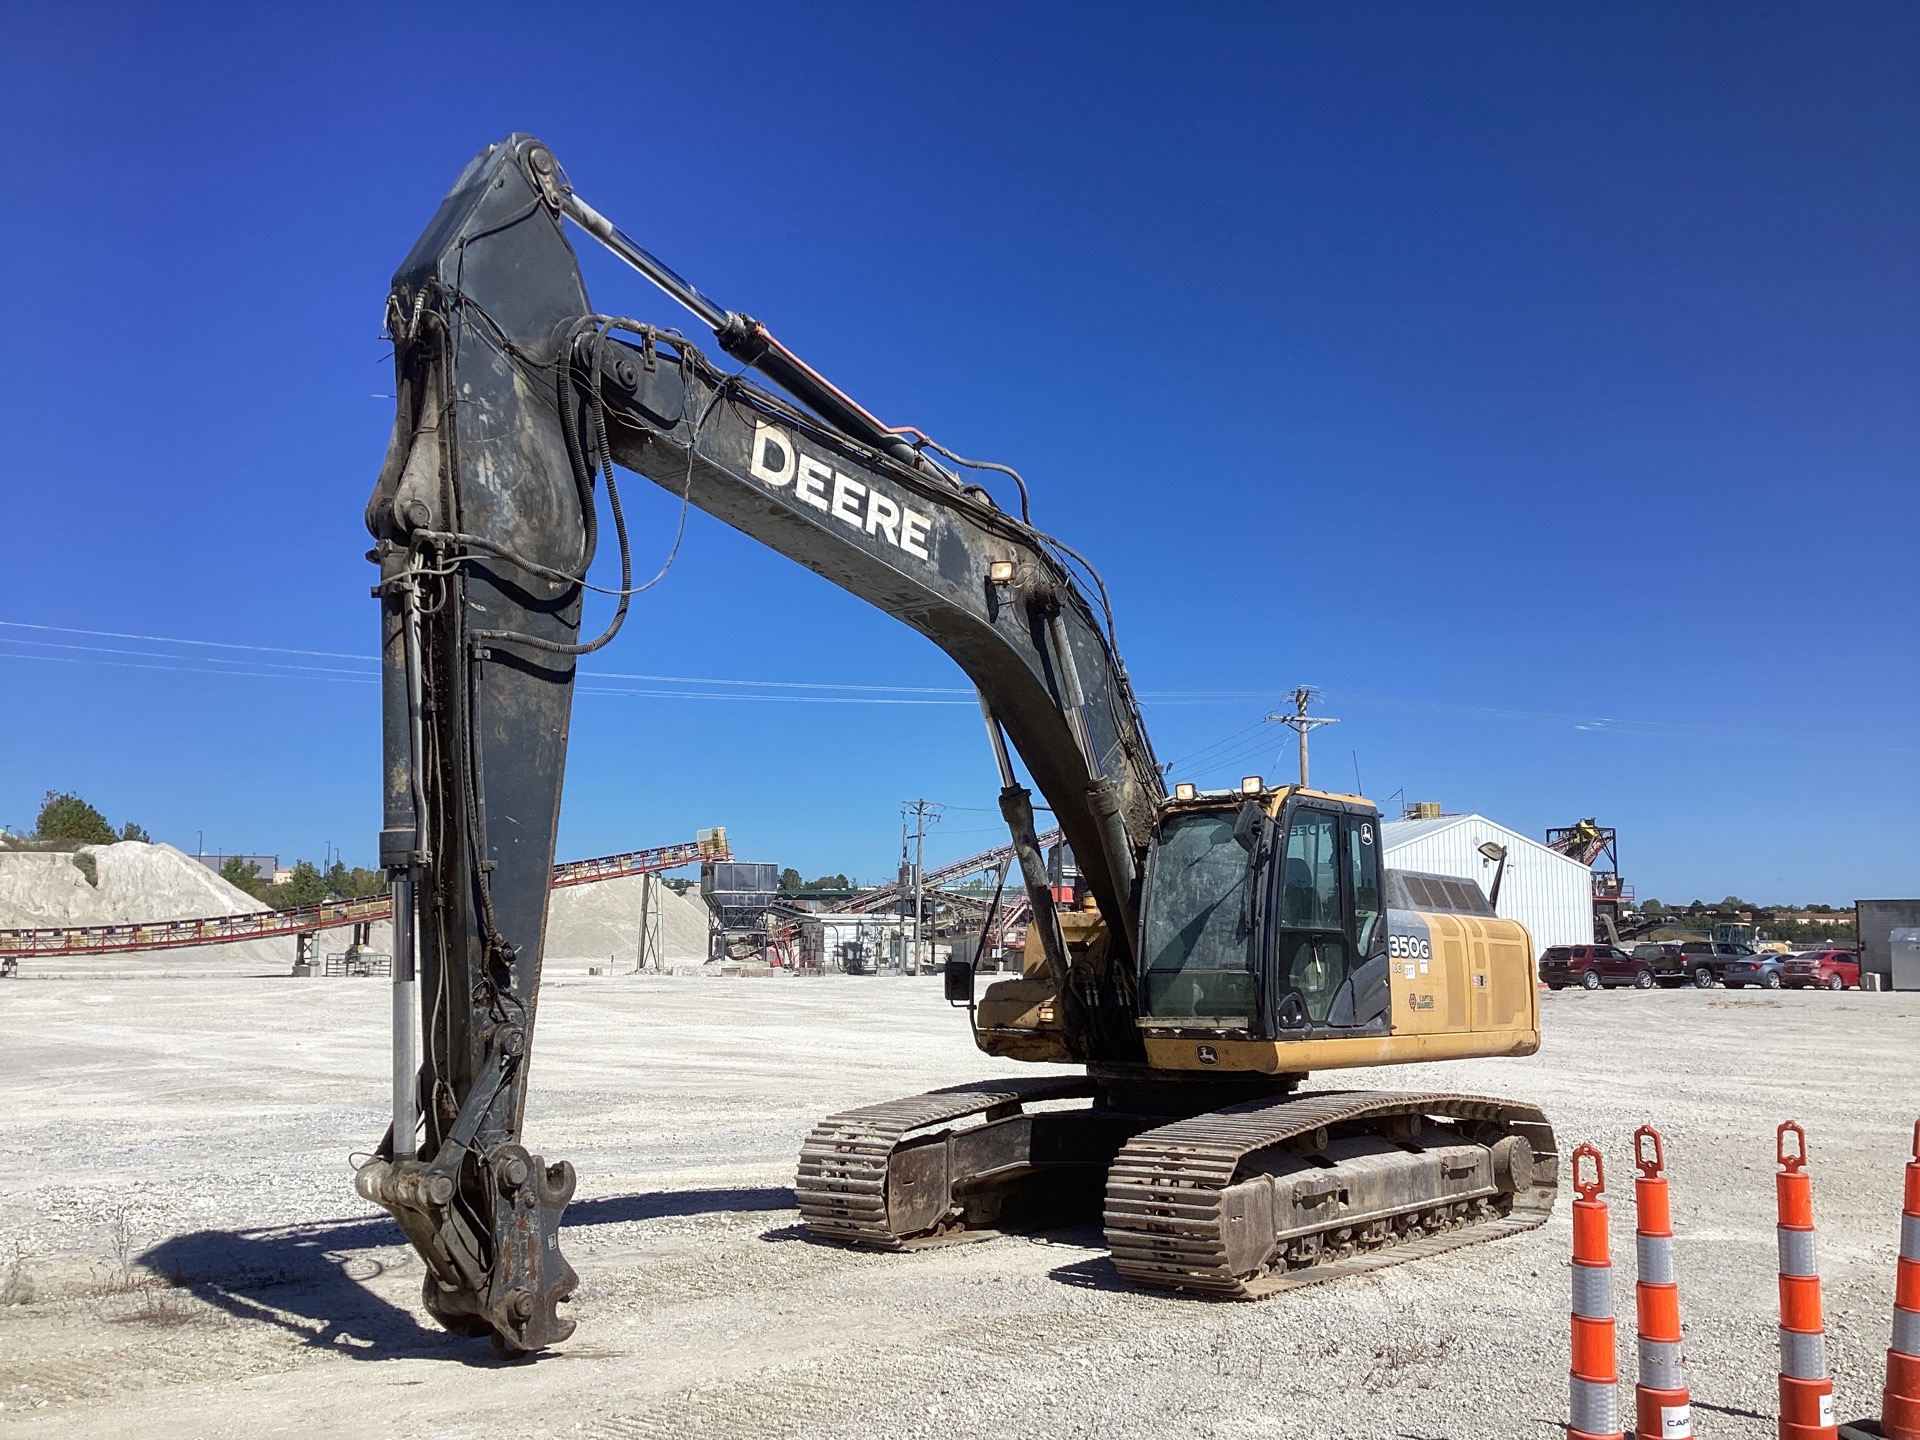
1274,941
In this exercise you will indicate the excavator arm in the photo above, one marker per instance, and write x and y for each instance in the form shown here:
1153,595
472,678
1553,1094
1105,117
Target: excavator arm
515,403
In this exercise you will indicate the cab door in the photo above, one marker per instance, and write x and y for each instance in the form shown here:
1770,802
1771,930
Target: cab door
1325,922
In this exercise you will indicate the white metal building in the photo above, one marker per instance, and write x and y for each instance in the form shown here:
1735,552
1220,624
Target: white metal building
1545,891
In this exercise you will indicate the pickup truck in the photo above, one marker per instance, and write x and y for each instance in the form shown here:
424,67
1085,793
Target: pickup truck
1670,967
1708,959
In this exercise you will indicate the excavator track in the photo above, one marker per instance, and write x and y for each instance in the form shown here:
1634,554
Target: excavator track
1186,1202
883,1176
1240,1202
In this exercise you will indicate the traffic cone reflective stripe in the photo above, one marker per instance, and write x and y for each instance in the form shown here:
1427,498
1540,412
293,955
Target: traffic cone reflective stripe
1594,1379
1900,1401
1806,1389
1663,1409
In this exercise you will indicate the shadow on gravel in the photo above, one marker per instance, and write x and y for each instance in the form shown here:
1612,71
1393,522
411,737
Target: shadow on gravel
780,1234
1070,1237
1729,1410
669,1203
311,1280
1066,1237
1101,1274
307,1280
1090,1275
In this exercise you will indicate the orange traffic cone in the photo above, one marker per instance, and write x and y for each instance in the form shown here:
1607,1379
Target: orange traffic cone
1806,1389
1594,1381
1662,1408
1900,1401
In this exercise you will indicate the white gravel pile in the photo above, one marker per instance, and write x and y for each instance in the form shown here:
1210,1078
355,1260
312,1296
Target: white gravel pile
136,881
595,923
600,922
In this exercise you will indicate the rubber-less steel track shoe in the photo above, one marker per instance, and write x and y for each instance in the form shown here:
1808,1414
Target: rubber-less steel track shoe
964,1163
1245,1202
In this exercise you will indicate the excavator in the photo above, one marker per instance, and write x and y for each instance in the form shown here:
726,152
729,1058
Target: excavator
1231,942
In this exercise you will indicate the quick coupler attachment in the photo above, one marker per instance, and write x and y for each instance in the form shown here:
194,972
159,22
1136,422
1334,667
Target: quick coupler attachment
508,1283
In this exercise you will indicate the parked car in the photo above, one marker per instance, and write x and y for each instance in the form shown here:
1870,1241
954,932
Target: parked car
1826,969
1707,958
1668,962
1767,970
1592,966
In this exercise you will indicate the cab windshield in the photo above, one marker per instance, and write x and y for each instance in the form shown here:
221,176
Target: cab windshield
1198,959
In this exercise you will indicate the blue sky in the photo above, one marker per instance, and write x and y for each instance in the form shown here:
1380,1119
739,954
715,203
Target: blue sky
1540,382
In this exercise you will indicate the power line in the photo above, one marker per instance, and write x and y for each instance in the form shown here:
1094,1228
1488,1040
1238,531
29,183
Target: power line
194,664
287,665
175,640
196,669
1207,752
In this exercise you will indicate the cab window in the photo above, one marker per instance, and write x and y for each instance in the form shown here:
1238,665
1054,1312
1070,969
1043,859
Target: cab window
1310,873
1363,851
1311,920
1198,960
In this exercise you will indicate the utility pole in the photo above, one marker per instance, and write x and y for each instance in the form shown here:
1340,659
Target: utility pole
1300,722
922,811
905,882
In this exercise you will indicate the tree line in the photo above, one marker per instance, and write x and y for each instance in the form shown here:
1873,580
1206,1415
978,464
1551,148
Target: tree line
307,884
66,819
1783,922
792,884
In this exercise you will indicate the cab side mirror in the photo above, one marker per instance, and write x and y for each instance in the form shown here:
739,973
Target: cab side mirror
1247,826
959,982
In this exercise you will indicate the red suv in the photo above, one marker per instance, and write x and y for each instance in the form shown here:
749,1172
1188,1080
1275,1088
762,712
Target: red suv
1592,966
1827,969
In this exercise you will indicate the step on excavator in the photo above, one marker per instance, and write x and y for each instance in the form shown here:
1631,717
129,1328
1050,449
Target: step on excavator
1231,944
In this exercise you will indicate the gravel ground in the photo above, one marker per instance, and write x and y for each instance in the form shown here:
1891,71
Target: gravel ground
182,1254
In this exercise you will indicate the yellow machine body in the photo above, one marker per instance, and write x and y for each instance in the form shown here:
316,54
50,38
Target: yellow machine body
1461,986
1475,996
